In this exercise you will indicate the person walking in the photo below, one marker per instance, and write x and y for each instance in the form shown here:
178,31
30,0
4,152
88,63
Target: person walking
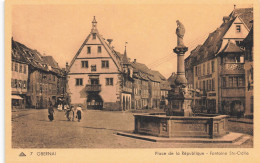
79,112
51,112
73,109
68,110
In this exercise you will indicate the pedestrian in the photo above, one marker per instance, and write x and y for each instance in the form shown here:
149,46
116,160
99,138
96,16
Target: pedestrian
79,112
73,109
67,113
51,112
60,107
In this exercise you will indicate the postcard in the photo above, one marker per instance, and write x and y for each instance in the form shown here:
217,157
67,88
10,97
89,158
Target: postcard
131,81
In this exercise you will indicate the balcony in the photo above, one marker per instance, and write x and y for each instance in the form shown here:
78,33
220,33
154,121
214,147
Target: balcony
233,92
127,89
232,68
93,87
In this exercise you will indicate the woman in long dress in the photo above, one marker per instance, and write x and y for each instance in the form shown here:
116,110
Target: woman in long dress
79,112
51,112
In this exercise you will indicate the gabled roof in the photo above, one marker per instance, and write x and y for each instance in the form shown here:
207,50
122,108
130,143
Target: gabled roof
50,61
34,58
16,54
246,14
231,48
213,43
192,58
139,67
156,76
112,53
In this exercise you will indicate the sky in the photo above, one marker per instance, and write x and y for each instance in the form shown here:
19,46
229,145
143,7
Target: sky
59,30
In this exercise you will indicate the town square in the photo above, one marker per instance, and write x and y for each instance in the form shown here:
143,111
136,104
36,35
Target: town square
94,79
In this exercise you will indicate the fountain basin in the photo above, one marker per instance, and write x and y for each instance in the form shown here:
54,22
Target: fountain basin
200,125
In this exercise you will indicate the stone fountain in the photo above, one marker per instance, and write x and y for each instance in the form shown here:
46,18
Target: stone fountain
179,122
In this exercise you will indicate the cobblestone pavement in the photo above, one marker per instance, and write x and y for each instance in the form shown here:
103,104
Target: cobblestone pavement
32,129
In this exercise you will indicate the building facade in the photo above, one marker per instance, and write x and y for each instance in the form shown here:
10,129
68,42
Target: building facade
19,80
218,66
95,75
101,78
249,73
43,77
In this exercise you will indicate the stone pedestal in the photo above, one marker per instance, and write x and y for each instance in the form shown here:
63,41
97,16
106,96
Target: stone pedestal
182,97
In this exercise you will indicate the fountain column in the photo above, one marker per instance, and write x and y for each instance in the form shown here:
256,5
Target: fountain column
182,98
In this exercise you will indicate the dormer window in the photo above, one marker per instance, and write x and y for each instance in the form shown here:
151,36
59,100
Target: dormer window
238,28
89,50
94,36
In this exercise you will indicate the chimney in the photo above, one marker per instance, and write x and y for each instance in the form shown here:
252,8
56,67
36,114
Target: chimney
225,19
134,60
109,41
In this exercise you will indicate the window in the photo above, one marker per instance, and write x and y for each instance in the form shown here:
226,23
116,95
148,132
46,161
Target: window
109,81
204,69
224,83
84,64
241,82
99,49
94,36
238,28
208,68
19,84
213,84
25,69
93,68
16,67
24,85
196,71
196,84
89,50
199,70
235,84
238,43
79,81
204,85
15,83
105,64
230,81
21,68
251,104
12,66
209,85
212,66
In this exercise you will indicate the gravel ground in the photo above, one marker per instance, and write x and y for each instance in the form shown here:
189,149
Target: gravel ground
97,129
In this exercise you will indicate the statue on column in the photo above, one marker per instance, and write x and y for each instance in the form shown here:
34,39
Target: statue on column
180,31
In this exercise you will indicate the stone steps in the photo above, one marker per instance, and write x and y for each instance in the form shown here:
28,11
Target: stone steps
231,138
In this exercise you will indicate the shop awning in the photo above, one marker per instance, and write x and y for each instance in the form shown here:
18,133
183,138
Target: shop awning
17,97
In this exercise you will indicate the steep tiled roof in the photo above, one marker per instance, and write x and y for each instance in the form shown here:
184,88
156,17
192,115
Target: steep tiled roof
16,55
248,41
214,41
192,58
246,14
231,48
172,79
50,61
34,58
140,67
